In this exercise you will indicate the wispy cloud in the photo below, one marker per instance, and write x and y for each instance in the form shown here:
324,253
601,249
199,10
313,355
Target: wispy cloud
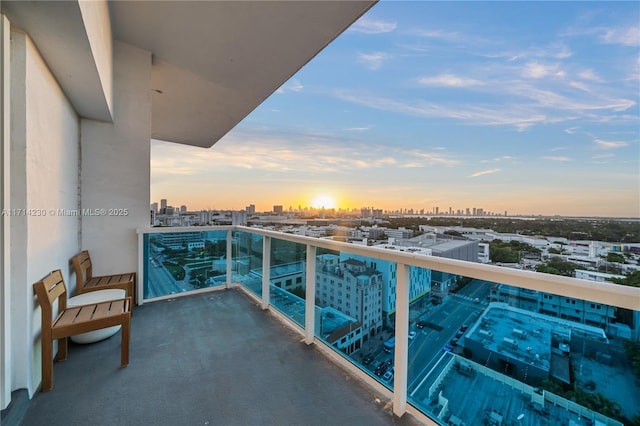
278,152
504,158
629,36
366,25
558,158
357,129
373,60
589,74
555,50
450,36
449,80
484,172
538,70
602,144
293,85
485,115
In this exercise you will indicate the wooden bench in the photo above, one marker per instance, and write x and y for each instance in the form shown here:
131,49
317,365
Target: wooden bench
80,319
85,281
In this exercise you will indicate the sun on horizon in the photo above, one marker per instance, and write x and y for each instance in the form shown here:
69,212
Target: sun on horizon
323,201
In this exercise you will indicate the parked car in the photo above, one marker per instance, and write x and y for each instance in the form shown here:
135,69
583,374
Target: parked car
381,369
412,335
367,359
388,376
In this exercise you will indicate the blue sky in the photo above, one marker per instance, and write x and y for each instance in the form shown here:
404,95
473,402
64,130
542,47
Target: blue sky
524,107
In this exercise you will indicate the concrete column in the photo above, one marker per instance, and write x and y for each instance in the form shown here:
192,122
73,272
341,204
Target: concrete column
115,166
310,296
266,271
402,340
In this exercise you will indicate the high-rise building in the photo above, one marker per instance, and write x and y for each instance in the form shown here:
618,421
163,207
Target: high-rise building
251,209
183,209
154,207
163,203
277,209
239,218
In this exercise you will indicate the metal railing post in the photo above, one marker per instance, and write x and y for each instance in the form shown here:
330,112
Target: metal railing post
402,340
266,271
229,258
310,293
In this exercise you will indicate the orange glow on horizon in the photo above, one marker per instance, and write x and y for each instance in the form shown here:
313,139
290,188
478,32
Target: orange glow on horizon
323,201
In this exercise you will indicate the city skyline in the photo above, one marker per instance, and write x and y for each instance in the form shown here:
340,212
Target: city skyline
278,208
508,106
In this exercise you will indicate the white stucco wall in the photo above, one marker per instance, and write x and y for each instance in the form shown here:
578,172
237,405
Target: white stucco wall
5,233
44,159
116,166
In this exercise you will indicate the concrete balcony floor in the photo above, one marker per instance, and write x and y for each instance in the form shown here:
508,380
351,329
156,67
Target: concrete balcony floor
208,359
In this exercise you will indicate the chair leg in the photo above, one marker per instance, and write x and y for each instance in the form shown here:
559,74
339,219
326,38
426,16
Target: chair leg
47,364
126,337
62,349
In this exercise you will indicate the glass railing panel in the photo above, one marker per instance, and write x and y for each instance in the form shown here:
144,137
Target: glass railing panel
354,309
247,260
423,299
438,322
287,278
500,354
178,262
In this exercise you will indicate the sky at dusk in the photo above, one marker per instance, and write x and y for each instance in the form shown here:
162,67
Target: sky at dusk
524,107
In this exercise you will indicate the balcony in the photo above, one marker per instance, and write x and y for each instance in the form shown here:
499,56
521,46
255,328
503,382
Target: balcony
71,144
370,311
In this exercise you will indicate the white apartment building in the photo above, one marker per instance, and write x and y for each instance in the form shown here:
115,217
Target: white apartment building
420,278
399,234
181,240
239,218
600,277
353,288
483,253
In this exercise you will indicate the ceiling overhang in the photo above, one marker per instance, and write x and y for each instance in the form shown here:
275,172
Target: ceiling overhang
213,61
63,32
216,61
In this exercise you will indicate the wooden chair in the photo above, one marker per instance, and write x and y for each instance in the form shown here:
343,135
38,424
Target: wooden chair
85,281
80,319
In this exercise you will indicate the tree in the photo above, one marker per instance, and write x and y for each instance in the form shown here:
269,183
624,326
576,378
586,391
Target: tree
557,266
615,257
632,279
